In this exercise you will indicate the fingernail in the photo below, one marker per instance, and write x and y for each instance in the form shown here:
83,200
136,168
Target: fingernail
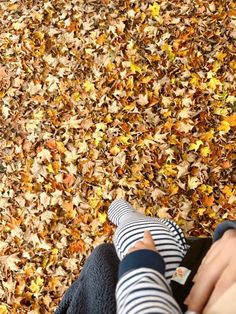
191,312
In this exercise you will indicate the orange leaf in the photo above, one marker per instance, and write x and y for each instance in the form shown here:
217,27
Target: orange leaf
72,27
101,39
51,144
226,164
231,120
3,74
39,149
14,222
26,178
77,247
68,206
107,229
69,179
208,200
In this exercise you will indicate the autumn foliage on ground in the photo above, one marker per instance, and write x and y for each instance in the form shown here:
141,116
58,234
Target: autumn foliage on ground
101,100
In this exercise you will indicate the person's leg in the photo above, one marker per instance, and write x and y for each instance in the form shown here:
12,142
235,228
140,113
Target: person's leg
167,235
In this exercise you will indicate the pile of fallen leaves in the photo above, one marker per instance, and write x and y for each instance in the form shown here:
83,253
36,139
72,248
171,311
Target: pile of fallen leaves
106,99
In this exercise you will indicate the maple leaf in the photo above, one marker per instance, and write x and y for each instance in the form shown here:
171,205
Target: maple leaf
44,155
89,86
10,261
3,309
184,126
102,217
224,127
213,83
155,9
115,150
193,182
195,146
182,169
135,68
36,285
3,74
208,200
231,120
143,100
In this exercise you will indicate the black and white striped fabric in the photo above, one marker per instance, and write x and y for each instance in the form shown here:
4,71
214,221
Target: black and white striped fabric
167,235
144,290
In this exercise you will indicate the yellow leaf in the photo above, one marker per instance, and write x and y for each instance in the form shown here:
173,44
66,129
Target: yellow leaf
75,96
115,150
232,64
168,170
228,190
56,166
102,217
220,56
3,309
130,106
135,68
130,82
221,111
206,188
174,188
166,48
45,262
195,80
207,136
216,66
124,139
88,86
55,251
93,202
213,83
110,66
201,211
71,214
101,39
143,16
108,118
36,285
146,79
224,127
60,147
155,9
205,151
50,168
195,146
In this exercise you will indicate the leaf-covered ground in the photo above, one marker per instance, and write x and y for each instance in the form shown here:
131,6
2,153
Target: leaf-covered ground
106,99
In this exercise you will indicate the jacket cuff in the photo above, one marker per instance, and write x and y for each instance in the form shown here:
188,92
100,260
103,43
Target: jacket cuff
142,258
222,227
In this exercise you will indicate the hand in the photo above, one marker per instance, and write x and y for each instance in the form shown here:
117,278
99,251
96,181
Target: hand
216,274
146,244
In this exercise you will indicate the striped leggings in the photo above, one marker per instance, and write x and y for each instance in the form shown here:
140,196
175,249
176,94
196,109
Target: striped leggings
167,235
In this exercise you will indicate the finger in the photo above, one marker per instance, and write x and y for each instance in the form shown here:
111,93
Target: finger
227,279
203,287
147,238
214,252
